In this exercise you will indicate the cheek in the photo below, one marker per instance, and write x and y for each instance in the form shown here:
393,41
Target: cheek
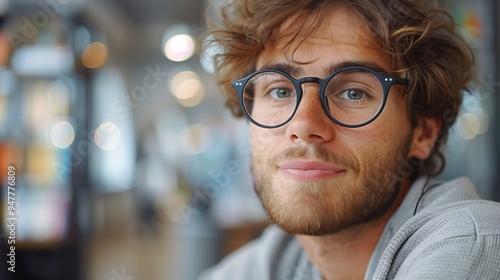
266,139
395,112
363,144
393,124
263,140
378,141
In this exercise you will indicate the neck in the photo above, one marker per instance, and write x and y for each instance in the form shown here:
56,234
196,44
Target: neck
345,255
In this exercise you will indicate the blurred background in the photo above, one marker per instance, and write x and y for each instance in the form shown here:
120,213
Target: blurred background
127,164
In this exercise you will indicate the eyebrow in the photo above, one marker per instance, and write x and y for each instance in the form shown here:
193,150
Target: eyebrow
333,67
291,69
295,70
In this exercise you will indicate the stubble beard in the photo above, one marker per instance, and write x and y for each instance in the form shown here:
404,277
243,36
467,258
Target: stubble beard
328,206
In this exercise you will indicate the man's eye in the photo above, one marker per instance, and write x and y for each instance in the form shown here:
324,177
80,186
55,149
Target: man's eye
280,93
352,94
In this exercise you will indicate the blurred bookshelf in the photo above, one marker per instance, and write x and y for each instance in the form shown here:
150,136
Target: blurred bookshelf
43,102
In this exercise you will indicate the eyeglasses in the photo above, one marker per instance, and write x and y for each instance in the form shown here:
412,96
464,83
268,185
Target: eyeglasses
351,97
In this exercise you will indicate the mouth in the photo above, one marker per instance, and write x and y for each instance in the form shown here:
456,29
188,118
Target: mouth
309,170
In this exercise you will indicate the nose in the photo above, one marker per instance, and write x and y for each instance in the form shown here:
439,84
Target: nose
310,123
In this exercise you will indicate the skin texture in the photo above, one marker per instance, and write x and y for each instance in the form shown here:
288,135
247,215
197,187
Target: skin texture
334,187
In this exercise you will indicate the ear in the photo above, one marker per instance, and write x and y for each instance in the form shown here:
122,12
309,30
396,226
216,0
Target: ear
425,135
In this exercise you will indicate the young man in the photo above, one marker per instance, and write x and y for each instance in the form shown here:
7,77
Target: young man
350,102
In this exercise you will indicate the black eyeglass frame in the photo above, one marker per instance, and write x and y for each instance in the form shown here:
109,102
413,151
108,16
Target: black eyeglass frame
385,80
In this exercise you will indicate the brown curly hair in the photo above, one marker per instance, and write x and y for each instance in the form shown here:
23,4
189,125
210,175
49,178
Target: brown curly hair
423,41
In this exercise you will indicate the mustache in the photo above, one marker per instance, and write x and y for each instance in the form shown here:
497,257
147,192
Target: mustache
315,152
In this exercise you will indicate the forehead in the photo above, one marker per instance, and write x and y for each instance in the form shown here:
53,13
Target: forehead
335,31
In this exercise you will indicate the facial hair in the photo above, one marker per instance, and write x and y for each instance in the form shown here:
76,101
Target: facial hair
329,206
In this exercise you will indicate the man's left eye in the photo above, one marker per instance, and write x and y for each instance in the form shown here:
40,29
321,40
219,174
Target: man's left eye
282,93
352,94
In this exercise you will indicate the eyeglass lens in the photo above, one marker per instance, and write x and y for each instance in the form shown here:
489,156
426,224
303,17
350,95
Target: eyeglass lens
352,97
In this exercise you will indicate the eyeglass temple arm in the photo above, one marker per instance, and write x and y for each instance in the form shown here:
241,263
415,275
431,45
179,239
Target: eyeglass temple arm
402,81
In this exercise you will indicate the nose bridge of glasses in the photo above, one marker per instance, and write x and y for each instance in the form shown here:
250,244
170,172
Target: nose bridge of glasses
308,80
314,85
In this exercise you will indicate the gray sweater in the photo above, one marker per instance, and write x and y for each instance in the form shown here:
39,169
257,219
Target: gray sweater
453,235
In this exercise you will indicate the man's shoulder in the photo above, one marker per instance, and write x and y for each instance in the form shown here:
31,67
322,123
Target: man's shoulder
462,218
455,207
483,216
458,241
260,259
455,235
452,210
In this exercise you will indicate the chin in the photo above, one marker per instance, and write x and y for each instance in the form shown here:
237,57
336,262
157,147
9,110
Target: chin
330,205
322,207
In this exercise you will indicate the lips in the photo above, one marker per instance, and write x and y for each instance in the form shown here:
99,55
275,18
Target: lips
307,170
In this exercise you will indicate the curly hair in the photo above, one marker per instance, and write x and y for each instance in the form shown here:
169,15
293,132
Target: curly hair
422,40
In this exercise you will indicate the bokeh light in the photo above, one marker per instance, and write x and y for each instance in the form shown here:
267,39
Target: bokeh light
468,126
107,136
484,120
179,47
187,88
94,55
62,134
